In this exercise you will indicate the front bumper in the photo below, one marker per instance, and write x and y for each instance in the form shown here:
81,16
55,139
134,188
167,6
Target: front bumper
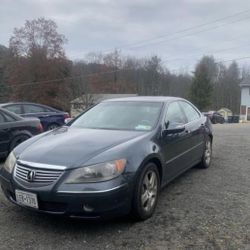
109,199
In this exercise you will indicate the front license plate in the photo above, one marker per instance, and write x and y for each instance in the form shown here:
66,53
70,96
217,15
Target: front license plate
26,199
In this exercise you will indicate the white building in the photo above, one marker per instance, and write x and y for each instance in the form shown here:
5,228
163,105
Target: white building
245,100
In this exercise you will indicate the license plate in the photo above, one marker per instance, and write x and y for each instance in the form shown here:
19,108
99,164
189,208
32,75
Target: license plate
26,198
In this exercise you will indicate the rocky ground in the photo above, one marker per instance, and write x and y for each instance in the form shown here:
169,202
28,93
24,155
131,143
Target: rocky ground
202,209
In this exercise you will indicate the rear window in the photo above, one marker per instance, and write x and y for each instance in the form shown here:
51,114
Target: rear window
17,108
2,120
6,118
9,118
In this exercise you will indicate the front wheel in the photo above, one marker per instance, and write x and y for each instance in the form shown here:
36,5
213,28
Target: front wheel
207,155
146,192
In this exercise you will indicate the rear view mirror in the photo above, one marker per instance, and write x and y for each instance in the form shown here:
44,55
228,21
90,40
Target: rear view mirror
174,128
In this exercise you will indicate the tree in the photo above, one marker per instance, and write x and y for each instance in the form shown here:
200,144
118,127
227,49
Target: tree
201,88
152,76
38,36
232,87
3,73
37,57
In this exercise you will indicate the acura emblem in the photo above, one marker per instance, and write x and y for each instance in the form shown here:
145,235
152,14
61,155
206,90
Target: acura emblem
31,175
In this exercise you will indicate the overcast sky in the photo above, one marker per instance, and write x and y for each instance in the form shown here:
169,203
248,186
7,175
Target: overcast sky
141,27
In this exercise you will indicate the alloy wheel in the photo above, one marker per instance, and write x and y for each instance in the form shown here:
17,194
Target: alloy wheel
149,191
208,152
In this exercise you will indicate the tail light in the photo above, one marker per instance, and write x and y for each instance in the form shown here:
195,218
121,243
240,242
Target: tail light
40,128
66,116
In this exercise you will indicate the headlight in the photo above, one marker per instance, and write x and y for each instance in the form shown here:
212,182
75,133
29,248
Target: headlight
96,173
10,163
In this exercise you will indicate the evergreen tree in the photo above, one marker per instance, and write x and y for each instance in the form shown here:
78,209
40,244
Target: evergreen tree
201,88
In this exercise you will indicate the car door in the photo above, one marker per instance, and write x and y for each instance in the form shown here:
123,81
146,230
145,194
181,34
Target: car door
4,135
174,145
195,132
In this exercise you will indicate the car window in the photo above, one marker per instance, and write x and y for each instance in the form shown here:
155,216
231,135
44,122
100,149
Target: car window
49,110
28,108
174,114
189,111
2,120
9,118
6,118
17,108
121,115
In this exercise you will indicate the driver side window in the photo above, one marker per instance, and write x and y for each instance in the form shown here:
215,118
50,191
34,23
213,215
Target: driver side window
174,114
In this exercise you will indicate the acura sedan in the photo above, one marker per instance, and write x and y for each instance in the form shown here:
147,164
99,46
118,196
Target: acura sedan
111,160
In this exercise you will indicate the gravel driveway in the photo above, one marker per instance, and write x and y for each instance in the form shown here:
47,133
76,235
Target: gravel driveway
202,209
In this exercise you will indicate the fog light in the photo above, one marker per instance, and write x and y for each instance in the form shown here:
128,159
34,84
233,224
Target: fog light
88,208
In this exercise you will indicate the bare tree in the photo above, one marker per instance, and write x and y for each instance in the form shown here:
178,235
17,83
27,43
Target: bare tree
37,55
37,36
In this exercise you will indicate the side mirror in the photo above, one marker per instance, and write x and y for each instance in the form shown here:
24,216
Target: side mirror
68,120
173,128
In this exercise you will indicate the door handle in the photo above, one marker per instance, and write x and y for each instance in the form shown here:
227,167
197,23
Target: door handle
187,131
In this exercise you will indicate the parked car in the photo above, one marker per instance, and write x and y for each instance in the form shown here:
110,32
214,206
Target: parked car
50,118
111,160
215,117
15,129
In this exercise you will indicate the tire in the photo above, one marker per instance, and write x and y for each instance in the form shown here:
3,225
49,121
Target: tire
52,126
18,140
213,121
146,193
207,154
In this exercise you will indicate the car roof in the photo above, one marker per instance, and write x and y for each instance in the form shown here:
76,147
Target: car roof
31,103
145,99
9,103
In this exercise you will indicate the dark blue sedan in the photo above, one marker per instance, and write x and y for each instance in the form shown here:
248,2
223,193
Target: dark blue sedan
109,161
50,118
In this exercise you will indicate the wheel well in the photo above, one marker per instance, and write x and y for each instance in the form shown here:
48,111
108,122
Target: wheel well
157,162
16,136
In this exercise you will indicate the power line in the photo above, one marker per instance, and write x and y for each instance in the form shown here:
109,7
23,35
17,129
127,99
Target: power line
190,34
231,60
222,61
210,52
180,31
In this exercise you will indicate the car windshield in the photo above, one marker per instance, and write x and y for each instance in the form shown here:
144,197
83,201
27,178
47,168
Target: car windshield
121,116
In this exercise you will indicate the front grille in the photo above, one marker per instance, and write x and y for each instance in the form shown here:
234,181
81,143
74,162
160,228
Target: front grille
35,175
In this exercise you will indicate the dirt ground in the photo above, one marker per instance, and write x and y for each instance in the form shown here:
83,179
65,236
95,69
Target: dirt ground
202,209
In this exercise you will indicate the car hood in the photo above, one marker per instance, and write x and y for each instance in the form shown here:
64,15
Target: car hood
70,147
